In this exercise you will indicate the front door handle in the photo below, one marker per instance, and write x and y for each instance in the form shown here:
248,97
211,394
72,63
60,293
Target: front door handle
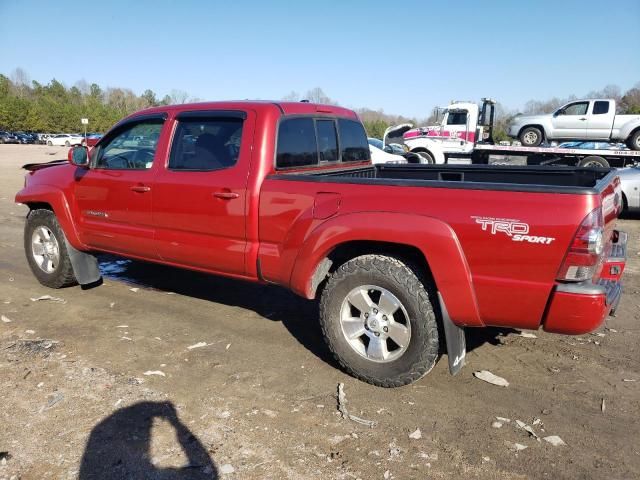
226,195
141,188
583,119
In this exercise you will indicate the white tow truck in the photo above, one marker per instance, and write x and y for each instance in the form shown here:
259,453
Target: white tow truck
465,135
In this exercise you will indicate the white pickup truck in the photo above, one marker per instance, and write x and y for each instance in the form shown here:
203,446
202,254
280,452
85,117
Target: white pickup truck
465,135
594,119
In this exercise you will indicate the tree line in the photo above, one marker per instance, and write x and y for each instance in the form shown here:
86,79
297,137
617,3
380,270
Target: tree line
54,108
27,105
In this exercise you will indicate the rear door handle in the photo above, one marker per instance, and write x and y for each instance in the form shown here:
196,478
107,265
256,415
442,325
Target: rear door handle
141,188
583,119
226,195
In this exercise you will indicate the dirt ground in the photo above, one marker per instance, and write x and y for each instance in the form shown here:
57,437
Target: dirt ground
114,390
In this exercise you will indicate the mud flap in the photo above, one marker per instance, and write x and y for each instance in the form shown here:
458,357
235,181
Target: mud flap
85,265
454,336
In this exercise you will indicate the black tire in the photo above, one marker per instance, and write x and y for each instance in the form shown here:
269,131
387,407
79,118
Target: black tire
49,143
426,157
634,141
403,281
62,274
412,157
530,137
66,143
593,161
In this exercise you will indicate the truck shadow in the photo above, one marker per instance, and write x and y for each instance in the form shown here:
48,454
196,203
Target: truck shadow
298,315
120,447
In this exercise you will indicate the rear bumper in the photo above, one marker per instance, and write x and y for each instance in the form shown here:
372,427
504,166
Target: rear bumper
577,308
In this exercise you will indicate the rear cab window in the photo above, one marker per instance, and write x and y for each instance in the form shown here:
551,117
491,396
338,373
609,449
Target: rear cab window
206,141
600,107
308,141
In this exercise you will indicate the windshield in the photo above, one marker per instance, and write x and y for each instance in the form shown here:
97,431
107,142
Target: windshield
376,143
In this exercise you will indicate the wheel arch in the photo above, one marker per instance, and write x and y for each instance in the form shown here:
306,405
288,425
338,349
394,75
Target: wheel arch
425,241
49,198
635,128
437,155
533,125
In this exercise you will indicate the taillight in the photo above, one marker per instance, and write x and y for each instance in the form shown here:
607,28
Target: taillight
586,250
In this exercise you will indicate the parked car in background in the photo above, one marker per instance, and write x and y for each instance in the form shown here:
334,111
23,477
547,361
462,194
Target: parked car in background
43,137
91,139
391,151
25,138
378,155
8,137
579,120
630,182
65,139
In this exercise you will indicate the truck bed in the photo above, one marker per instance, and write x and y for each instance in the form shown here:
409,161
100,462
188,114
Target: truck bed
477,177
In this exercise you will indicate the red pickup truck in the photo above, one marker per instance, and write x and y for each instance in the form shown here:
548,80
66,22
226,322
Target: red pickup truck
400,256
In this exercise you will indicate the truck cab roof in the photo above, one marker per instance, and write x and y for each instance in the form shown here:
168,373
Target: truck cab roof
284,108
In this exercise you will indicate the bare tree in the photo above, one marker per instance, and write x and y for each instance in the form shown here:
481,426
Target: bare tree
82,86
178,96
292,96
21,81
316,95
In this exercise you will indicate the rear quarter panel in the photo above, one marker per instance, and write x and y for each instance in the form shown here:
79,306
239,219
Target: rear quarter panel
512,280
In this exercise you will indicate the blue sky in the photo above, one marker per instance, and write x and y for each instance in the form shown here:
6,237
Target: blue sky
403,57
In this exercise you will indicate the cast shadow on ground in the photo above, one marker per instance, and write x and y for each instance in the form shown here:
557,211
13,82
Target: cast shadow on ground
298,315
119,447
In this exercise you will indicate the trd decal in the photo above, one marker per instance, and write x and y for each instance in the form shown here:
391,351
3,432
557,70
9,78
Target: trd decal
515,229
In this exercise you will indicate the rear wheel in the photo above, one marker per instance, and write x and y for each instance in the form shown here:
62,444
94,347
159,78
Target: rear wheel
49,143
531,137
378,321
46,250
634,141
67,144
593,161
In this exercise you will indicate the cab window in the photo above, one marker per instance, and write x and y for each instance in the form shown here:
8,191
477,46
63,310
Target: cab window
600,108
131,148
578,108
327,140
457,118
353,141
204,144
297,145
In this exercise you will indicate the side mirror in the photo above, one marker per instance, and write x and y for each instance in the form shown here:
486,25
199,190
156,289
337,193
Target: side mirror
558,113
79,156
388,149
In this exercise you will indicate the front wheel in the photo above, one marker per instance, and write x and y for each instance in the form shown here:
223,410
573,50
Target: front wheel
426,158
49,143
378,321
67,144
530,137
46,250
634,141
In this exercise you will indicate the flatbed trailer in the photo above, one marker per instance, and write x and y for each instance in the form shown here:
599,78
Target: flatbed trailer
576,157
465,135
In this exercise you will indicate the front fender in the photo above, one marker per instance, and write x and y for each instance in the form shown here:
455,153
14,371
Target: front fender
435,239
53,196
432,146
